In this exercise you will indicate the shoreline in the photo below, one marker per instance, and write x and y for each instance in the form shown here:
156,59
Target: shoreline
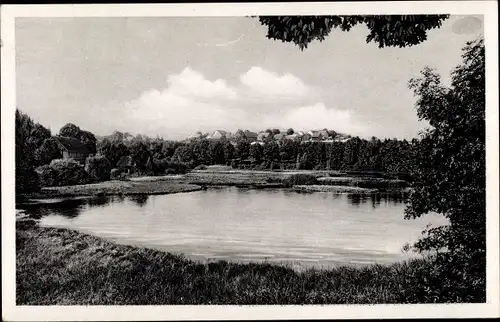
202,179
66,267
113,188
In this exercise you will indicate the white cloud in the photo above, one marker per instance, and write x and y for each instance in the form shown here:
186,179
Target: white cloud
263,82
192,103
194,84
316,116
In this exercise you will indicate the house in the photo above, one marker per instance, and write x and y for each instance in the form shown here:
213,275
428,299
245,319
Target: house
72,148
324,134
262,136
291,137
217,135
306,137
315,136
126,164
340,139
251,136
278,137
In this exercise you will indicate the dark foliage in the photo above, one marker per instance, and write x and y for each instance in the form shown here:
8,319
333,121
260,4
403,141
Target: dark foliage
73,131
385,30
450,173
98,168
62,173
300,179
49,150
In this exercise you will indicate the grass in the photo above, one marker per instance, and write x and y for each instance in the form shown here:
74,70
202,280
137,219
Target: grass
364,182
336,189
64,267
116,188
218,176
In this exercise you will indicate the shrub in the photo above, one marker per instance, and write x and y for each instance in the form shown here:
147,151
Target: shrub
260,167
165,166
98,168
118,174
62,173
300,179
201,167
27,180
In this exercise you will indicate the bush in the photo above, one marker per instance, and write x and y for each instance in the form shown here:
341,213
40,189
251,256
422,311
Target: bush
165,166
62,173
201,167
27,180
260,167
300,179
118,174
98,168
234,164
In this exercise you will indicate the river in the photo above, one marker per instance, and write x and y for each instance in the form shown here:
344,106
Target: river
318,229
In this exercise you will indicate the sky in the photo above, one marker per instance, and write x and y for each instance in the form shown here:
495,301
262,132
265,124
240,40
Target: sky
174,76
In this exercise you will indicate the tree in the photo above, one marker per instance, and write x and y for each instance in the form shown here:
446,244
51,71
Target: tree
38,134
140,153
385,30
450,173
216,152
26,177
256,152
63,173
229,150
70,130
272,151
239,135
183,153
289,150
98,168
112,150
290,131
73,131
243,149
48,151
168,148
201,151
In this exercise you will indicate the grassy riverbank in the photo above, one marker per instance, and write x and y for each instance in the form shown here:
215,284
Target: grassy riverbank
195,180
110,188
65,267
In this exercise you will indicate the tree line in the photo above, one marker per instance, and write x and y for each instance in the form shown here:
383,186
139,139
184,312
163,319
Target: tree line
37,148
389,155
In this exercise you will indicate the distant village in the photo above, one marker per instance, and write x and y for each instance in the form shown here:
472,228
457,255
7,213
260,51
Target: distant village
276,135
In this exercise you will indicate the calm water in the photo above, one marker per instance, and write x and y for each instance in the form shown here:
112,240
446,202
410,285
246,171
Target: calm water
248,225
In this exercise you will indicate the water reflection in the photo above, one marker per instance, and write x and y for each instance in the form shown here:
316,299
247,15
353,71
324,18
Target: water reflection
69,208
376,199
356,199
140,200
72,207
245,224
100,201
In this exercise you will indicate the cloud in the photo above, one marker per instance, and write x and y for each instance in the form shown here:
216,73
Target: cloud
176,117
193,103
263,82
193,84
316,116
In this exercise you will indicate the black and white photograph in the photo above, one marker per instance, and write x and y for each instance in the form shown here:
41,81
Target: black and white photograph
202,157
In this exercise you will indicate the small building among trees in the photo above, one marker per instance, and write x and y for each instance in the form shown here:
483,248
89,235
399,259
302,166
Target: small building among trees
126,164
73,148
